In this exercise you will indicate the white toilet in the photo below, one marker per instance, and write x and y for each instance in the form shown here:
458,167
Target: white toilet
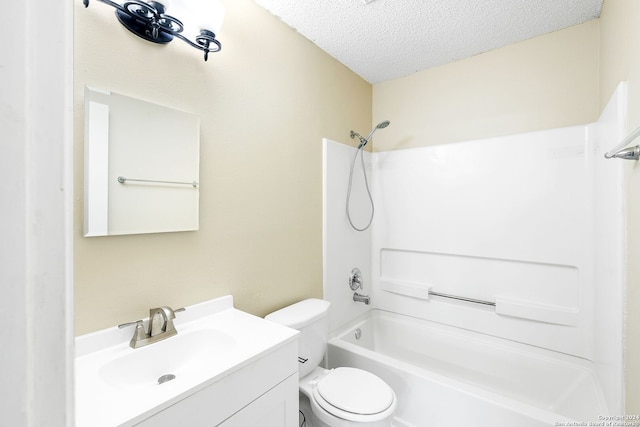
340,397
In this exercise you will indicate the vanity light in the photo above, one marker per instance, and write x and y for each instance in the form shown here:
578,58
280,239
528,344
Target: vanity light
200,21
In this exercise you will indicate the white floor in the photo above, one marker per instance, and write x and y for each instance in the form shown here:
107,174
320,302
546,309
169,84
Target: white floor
305,413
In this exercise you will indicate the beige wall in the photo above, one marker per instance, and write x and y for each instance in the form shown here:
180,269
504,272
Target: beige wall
265,102
546,82
620,60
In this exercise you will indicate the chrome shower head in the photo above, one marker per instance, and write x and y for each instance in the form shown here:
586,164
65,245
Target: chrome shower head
364,141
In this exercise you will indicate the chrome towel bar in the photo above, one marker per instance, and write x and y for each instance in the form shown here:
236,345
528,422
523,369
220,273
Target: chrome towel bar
567,315
123,180
472,300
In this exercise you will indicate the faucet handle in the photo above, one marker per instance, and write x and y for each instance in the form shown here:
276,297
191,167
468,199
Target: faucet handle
355,279
138,335
137,323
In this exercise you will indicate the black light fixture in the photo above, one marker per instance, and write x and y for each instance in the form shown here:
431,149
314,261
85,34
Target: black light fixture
148,19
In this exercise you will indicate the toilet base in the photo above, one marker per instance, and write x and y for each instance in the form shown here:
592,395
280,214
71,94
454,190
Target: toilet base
305,416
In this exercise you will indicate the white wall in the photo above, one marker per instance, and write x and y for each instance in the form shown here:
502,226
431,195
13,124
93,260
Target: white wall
532,221
504,219
610,249
36,196
343,247
619,61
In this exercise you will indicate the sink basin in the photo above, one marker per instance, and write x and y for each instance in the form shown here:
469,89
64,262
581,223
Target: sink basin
183,355
120,386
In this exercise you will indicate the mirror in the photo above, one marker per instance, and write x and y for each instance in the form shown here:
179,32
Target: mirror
141,166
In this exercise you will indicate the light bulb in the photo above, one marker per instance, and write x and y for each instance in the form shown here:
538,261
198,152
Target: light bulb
212,16
200,14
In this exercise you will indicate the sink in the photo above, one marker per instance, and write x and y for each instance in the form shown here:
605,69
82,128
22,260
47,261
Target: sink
182,356
117,385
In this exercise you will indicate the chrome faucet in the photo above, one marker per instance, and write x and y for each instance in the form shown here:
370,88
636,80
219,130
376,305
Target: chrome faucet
160,327
361,298
355,283
355,279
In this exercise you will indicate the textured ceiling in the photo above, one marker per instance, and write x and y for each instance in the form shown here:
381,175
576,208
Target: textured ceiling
385,39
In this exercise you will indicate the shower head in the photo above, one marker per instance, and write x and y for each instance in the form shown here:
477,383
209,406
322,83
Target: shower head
364,141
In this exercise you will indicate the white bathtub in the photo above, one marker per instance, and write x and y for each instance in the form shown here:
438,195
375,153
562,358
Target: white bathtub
448,377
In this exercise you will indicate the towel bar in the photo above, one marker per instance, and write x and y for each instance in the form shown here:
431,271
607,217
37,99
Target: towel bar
123,180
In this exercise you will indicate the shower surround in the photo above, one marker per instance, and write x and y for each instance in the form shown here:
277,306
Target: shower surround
531,223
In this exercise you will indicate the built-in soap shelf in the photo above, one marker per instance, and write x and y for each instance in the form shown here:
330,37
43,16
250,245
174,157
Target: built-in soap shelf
504,305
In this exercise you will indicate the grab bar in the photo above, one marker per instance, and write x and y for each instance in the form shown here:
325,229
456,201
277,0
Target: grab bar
504,305
473,300
620,152
123,180
417,290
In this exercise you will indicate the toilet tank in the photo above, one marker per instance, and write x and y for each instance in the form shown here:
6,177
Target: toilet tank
310,317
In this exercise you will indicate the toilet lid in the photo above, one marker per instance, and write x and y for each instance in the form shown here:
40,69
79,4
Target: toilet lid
355,391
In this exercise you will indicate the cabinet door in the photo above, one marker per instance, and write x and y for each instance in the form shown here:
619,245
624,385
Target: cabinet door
276,408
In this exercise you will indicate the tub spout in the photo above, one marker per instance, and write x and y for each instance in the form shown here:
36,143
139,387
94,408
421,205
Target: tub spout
361,298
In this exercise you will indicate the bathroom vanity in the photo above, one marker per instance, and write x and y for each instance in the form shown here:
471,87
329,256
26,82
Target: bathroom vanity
223,368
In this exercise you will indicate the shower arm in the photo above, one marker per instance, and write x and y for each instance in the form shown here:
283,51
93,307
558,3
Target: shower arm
620,152
363,141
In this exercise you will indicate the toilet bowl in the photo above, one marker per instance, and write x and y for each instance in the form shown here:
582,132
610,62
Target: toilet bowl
340,397
348,397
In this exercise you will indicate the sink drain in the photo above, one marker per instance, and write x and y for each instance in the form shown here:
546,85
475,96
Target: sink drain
163,379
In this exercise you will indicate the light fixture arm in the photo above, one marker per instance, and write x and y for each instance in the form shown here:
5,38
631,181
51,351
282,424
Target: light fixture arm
204,42
147,19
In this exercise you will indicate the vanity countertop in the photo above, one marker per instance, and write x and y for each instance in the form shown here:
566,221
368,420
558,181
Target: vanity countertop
118,386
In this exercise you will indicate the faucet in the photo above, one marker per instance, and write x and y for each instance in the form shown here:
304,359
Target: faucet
355,283
355,279
160,327
361,298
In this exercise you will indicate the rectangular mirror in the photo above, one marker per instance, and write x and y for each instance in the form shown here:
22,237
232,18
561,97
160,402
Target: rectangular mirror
141,166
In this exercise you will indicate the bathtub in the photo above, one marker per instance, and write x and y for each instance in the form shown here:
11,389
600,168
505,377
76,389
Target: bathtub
448,377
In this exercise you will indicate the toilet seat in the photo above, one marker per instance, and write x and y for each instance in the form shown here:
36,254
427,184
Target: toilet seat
354,394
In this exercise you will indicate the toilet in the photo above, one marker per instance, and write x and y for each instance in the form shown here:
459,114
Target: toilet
340,397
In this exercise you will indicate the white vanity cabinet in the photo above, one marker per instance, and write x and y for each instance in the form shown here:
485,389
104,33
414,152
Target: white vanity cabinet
276,408
263,393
